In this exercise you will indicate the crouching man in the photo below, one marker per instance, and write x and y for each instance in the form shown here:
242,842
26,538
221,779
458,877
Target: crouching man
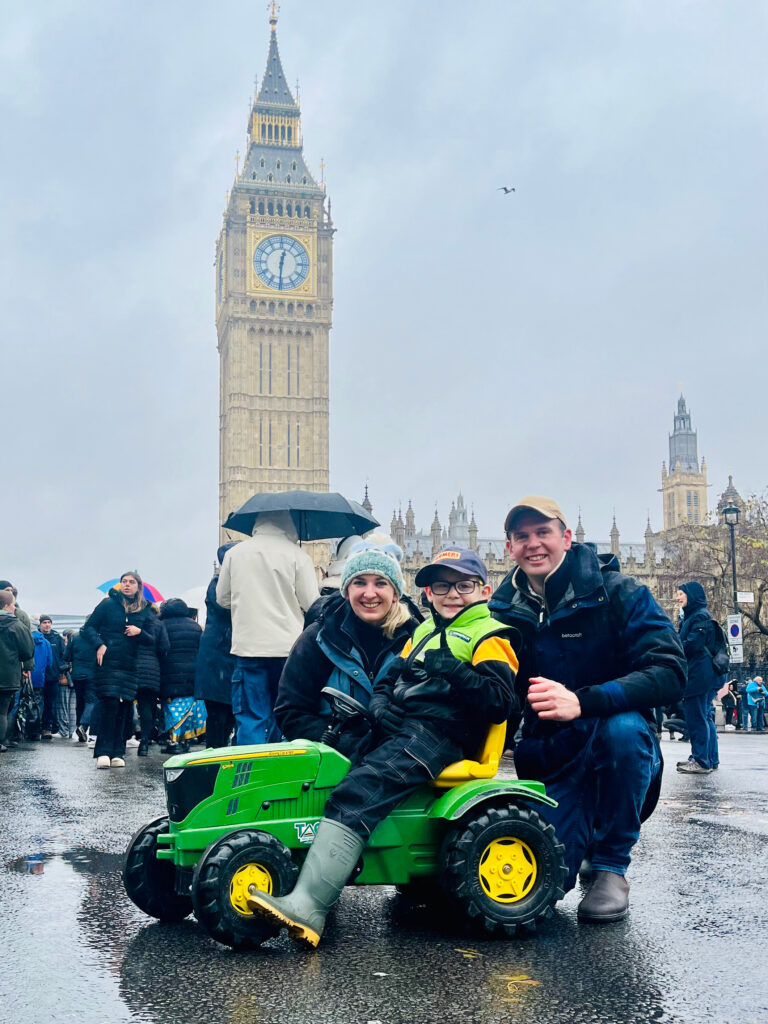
598,654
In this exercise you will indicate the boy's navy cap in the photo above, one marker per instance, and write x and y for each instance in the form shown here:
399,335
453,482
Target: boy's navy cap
463,560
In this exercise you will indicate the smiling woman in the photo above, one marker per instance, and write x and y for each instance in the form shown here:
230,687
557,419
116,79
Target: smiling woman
349,648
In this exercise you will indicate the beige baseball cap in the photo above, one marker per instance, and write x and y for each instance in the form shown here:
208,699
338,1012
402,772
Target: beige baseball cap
546,507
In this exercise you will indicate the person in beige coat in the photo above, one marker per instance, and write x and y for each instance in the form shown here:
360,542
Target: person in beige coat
268,583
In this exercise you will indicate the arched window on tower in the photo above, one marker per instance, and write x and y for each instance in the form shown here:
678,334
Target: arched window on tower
252,306
264,137
306,212
290,309
278,165
261,162
289,136
298,209
269,133
309,309
279,209
293,166
282,133
289,206
288,178
252,206
253,175
270,176
271,309
261,207
304,180
271,208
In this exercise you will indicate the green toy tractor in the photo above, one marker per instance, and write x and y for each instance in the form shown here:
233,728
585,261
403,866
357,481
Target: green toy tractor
244,817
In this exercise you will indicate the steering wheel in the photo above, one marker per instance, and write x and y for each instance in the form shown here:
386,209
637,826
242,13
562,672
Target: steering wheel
344,706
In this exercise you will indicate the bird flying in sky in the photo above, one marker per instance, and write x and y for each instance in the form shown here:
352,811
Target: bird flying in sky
505,189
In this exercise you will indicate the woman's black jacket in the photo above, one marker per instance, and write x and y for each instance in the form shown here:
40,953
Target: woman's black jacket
116,676
150,655
215,664
177,668
300,710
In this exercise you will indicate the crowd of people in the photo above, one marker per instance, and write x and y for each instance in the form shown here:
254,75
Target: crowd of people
574,655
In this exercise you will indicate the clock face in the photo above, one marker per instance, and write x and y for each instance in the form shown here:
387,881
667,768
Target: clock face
281,262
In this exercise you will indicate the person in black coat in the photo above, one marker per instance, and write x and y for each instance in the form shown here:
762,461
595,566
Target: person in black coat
215,665
148,678
697,632
116,628
184,716
82,660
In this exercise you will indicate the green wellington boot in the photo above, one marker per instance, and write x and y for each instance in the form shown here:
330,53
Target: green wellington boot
330,861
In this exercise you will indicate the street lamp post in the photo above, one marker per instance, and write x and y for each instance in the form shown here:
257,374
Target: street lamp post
731,515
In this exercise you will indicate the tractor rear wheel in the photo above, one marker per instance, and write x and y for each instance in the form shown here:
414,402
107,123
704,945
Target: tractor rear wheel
150,882
503,865
223,876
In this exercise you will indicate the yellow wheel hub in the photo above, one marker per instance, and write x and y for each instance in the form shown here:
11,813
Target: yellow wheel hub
507,870
243,878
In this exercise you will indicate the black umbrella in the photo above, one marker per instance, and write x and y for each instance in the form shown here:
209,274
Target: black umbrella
315,514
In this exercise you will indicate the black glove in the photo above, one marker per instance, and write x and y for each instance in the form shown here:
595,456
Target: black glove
389,717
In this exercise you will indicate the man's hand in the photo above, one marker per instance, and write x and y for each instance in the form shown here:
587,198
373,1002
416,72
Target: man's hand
132,630
551,700
100,652
63,679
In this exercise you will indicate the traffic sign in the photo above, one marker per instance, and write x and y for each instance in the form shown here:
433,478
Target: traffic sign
737,654
734,629
745,596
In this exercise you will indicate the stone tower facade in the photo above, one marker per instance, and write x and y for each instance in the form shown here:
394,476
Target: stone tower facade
274,297
684,486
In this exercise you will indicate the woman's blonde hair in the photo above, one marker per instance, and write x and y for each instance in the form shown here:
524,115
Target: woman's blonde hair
139,600
397,616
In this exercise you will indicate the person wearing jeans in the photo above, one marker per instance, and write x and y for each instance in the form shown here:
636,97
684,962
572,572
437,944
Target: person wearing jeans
697,632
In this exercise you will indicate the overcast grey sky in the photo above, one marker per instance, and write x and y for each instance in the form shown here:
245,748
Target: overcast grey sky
505,344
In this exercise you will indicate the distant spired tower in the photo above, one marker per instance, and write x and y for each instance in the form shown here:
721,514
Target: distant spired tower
684,485
274,296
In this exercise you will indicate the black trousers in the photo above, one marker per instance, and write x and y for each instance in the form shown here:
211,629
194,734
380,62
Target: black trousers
389,773
114,718
147,707
219,723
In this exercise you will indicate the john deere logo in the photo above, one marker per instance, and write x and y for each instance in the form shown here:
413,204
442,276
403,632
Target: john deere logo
305,830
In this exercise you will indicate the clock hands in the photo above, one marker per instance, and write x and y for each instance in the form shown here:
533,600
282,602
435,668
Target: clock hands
282,261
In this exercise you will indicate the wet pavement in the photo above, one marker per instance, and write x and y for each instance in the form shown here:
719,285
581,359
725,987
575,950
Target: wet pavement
74,948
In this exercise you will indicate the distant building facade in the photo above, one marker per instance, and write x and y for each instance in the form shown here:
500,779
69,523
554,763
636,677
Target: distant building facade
274,296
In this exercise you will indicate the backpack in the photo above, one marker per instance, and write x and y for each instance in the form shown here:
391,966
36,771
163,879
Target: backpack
721,658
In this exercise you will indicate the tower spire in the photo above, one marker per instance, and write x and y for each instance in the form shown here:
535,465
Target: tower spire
274,10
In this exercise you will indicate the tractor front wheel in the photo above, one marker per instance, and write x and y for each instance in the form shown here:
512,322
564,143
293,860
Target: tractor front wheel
222,877
504,867
150,882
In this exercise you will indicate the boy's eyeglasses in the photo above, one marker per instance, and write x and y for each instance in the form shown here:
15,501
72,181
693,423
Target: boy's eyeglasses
443,587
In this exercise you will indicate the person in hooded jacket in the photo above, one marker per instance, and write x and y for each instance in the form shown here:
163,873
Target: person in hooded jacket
42,664
598,654
148,673
117,627
184,716
215,665
350,647
82,659
16,647
697,632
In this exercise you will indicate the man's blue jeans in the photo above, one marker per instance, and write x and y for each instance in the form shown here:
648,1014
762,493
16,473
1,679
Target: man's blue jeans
254,691
601,795
700,720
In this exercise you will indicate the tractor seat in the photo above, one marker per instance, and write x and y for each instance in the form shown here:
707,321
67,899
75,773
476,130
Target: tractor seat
485,767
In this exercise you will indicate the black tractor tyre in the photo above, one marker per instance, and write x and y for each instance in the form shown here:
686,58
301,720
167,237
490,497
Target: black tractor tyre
220,882
503,866
149,882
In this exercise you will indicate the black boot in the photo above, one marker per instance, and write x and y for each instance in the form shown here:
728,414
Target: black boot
143,749
607,899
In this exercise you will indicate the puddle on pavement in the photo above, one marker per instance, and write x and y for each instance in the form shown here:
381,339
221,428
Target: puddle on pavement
81,859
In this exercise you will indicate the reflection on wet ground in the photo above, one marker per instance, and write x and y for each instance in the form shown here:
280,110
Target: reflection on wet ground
694,899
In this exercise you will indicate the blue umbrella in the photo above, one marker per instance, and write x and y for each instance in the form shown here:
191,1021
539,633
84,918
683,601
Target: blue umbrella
315,514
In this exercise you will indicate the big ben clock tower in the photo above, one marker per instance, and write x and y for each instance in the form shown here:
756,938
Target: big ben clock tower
274,295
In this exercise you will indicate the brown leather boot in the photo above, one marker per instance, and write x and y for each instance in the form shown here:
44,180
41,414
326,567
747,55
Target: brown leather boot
607,898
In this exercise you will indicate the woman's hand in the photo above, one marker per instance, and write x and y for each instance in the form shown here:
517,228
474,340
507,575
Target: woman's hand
100,651
132,630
